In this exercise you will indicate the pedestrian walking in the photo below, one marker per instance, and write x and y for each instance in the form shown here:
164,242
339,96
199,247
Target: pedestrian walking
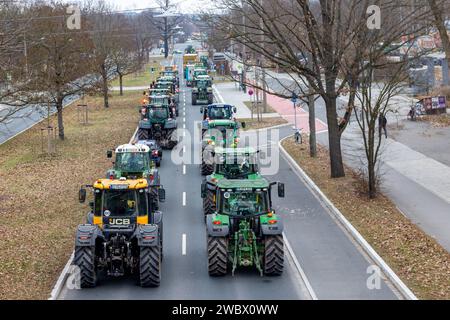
382,123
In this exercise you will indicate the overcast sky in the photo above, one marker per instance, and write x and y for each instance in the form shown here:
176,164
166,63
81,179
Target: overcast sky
185,6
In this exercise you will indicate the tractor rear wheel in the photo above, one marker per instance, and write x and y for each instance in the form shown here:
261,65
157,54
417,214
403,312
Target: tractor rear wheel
142,134
150,266
194,100
273,255
84,259
154,196
209,205
217,256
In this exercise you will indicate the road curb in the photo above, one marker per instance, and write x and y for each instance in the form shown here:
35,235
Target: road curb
390,274
61,279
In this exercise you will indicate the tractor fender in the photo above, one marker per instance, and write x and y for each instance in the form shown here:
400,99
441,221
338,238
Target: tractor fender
145,124
147,235
170,124
87,234
272,229
210,186
216,231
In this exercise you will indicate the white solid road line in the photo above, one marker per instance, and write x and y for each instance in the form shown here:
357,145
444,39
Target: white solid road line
184,198
299,269
183,244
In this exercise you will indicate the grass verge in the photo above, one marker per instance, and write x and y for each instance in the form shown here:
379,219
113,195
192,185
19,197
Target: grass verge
438,121
269,109
415,257
39,208
253,124
142,77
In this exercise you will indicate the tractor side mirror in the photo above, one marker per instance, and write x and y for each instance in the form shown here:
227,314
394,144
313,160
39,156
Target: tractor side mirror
162,194
243,124
201,110
203,190
280,190
234,109
109,154
82,195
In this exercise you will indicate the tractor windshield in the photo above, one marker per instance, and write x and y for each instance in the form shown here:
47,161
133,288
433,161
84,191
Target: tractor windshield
203,83
159,100
158,113
132,161
124,202
236,165
244,203
219,113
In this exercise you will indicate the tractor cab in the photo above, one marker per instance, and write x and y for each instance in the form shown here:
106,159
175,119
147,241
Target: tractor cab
235,163
159,100
218,111
221,133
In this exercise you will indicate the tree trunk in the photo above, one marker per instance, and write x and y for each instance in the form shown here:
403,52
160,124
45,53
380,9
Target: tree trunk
334,140
59,108
121,83
440,25
105,86
166,38
312,127
371,161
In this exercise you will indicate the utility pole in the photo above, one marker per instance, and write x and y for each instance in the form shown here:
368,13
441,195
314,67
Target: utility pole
244,53
166,33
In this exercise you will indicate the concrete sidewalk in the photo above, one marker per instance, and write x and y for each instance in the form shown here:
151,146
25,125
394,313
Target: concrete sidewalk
232,95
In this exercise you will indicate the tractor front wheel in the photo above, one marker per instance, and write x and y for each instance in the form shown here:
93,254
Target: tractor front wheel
150,266
209,206
84,259
273,255
217,256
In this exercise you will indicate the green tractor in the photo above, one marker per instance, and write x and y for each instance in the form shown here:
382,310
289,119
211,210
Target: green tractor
229,163
133,161
158,122
202,90
244,231
220,133
217,111
123,234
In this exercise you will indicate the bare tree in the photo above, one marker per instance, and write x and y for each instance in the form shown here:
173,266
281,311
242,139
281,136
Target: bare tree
371,108
323,30
59,60
125,56
165,21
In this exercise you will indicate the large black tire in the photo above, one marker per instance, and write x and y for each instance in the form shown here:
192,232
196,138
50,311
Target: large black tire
84,259
273,255
217,256
150,266
209,205
206,168
142,134
154,198
194,100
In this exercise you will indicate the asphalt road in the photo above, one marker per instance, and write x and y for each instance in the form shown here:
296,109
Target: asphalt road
333,263
184,274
